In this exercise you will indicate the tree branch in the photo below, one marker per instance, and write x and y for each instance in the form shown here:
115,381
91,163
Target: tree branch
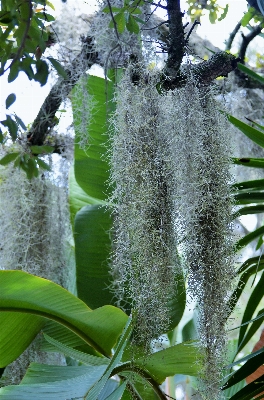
246,39
232,36
176,38
220,64
45,118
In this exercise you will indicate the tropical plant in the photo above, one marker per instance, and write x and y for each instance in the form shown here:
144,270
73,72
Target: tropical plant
150,203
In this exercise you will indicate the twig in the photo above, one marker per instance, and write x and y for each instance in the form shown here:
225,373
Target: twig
232,36
246,39
190,31
156,4
155,27
113,19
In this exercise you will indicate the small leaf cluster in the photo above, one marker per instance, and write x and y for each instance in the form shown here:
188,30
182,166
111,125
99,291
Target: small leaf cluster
23,33
24,36
126,16
29,162
252,15
216,12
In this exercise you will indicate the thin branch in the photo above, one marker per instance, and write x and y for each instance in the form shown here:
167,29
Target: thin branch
156,4
113,19
232,36
190,31
155,27
246,39
44,120
176,38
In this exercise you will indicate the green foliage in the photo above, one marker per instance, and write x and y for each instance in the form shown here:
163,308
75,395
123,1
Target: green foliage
216,12
24,38
83,335
22,292
126,17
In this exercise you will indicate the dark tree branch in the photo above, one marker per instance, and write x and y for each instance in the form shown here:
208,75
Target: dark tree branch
45,118
176,38
220,64
232,36
246,39
241,78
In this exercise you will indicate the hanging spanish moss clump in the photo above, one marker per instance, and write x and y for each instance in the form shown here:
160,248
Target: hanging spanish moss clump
34,237
114,47
144,260
203,207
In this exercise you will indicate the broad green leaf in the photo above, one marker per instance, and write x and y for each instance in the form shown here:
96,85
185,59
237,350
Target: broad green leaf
109,388
223,15
87,359
66,337
97,388
252,270
252,304
11,98
253,261
176,305
16,333
255,123
32,169
231,391
47,382
8,158
22,292
143,387
254,134
250,73
120,21
114,9
45,16
189,331
132,25
249,210
247,358
41,149
42,73
5,17
50,4
249,238
59,68
182,358
249,162
13,72
249,391
256,324
78,198
256,184
42,164
91,166
254,361
116,395
92,251
248,16
249,197
12,127
20,122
